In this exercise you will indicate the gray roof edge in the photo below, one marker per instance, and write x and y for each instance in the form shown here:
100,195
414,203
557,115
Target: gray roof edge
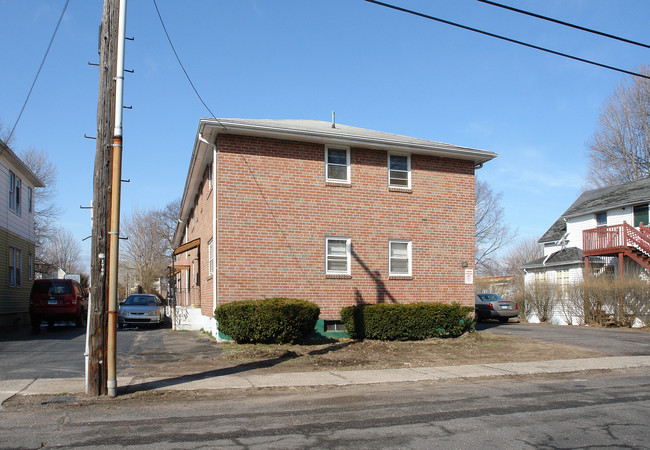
14,159
345,135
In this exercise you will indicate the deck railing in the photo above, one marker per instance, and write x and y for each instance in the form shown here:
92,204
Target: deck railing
614,239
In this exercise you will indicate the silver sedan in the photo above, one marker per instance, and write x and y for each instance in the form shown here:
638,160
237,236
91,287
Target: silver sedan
141,309
491,306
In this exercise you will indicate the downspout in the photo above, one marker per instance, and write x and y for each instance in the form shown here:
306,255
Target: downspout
114,233
213,168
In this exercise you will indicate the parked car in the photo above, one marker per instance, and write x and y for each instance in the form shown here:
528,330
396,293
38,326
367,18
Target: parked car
54,300
141,309
491,306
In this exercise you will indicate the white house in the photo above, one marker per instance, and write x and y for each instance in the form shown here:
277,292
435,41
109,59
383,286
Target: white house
603,231
17,236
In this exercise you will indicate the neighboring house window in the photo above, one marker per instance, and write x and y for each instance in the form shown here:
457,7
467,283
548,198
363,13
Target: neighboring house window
30,269
601,219
640,215
14,192
210,257
399,252
15,263
337,164
210,176
337,251
399,171
562,279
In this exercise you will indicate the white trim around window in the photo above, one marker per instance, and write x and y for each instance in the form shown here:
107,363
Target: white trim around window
399,170
337,255
399,257
211,257
337,164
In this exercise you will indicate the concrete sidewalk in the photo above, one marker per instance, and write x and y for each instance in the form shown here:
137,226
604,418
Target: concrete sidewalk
51,386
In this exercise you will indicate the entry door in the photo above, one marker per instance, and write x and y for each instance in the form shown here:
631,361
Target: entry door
641,215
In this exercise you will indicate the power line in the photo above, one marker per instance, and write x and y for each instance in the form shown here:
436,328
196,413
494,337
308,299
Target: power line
181,64
567,24
514,41
65,7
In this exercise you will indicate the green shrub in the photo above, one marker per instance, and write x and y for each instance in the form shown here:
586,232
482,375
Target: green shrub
402,322
271,320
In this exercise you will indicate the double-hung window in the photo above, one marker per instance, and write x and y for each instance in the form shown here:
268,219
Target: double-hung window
30,196
15,264
399,256
337,259
337,165
399,171
14,192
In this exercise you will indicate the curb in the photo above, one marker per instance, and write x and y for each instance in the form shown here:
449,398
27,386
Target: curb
44,386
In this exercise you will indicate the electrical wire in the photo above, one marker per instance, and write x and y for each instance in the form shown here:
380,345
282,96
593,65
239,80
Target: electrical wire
29,94
504,38
567,24
182,66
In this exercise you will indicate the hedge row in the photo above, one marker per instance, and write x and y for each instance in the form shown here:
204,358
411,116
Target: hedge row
402,322
282,320
271,320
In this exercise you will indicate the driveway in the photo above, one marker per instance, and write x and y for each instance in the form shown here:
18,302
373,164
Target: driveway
611,341
58,352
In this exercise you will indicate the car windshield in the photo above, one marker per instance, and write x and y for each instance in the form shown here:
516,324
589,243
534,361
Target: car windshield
52,287
141,300
490,297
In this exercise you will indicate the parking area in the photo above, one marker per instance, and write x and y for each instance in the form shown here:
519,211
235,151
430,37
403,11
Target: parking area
610,341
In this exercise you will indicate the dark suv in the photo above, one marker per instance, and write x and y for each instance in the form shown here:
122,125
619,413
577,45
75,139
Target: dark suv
57,300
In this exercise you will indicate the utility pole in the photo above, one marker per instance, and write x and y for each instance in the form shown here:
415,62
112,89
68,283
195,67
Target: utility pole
97,367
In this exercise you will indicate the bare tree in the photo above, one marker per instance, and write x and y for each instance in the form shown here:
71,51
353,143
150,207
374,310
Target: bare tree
619,150
63,250
524,250
492,233
146,249
46,210
168,220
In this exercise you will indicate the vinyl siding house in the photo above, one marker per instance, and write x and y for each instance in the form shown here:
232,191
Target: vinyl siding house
17,237
332,214
603,231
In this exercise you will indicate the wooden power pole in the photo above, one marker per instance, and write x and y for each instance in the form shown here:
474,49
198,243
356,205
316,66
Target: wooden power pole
97,370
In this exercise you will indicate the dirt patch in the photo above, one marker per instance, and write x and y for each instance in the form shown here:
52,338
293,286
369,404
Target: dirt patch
347,354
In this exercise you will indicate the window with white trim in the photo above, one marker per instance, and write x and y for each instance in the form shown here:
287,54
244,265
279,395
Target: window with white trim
337,255
15,264
30,269
14,192
399,171
399,256
337,165
210,257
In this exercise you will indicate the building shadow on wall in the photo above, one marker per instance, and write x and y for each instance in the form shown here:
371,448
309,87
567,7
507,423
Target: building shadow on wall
383,295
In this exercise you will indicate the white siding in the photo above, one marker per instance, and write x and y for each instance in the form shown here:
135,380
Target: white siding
576,226
619,215
23,224
549,249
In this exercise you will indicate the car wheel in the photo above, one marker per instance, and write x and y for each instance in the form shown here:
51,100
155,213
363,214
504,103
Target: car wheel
120,325
503,319
79,320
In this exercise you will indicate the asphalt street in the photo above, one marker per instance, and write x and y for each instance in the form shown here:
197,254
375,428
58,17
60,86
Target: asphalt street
593,409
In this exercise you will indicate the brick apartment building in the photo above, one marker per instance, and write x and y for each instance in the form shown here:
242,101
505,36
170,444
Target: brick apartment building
336,215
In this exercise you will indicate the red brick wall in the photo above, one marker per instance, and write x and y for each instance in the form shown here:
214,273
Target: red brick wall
199,226
274,210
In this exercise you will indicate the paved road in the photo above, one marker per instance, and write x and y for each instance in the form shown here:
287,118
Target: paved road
564,411
611,341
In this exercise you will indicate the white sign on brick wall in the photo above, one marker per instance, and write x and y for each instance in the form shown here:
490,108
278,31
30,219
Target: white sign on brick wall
469,276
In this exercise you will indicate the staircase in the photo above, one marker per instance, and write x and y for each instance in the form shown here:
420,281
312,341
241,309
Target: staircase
619,240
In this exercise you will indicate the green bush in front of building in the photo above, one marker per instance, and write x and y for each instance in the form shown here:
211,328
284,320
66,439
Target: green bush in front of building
407,322
270,320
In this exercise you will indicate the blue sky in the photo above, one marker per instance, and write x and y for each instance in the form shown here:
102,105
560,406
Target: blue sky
301,59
